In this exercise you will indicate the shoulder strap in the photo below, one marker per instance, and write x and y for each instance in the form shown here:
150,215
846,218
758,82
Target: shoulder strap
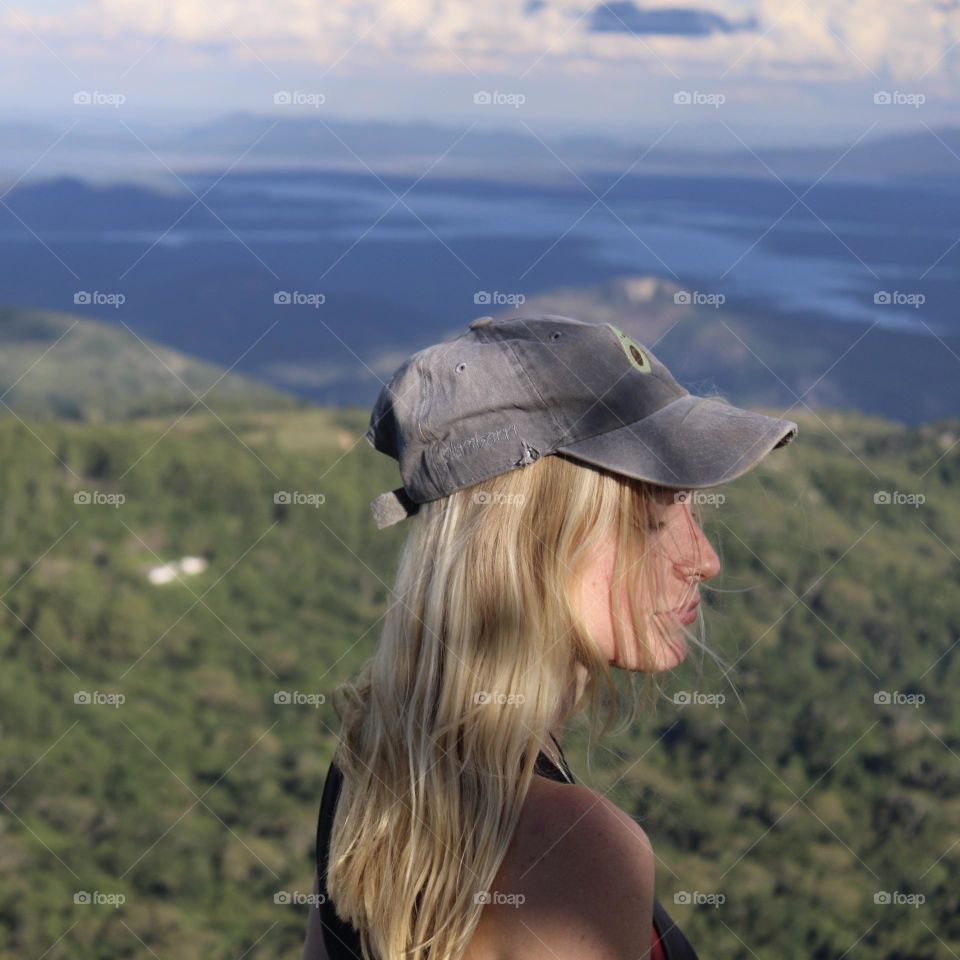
341,939
675,944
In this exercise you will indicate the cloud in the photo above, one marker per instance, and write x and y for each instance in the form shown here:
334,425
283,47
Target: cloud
623,16
828,40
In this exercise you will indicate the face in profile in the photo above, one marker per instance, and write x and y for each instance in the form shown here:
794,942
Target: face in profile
680,550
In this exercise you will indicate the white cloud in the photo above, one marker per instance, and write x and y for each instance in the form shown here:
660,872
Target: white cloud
824,39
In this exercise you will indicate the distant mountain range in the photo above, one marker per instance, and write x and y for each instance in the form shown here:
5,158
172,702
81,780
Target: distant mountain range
76,368
247,140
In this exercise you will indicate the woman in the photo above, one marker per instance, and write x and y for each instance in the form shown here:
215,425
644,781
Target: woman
546,464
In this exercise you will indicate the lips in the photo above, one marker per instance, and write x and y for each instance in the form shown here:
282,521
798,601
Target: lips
688,614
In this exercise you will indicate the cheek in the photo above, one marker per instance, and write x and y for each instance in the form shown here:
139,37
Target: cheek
598,594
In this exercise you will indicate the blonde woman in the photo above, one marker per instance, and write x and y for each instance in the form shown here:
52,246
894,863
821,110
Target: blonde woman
546,465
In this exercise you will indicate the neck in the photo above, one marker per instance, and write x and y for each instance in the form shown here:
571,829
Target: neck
574,693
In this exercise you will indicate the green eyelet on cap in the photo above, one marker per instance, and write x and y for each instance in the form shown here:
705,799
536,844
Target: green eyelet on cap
634,354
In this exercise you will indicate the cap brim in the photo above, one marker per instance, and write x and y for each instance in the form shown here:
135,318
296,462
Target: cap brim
691,443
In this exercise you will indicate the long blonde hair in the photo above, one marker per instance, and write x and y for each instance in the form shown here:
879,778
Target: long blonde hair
441,728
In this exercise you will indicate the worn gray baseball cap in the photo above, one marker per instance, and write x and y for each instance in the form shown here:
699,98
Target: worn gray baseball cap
506,392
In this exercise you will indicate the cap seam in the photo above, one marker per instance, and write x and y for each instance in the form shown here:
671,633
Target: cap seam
543,403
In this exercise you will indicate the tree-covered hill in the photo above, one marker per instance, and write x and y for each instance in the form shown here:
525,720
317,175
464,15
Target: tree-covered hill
164,745
61,365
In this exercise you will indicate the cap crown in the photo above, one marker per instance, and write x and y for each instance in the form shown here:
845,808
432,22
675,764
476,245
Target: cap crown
506,392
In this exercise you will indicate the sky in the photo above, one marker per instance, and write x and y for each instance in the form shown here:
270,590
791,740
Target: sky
791,72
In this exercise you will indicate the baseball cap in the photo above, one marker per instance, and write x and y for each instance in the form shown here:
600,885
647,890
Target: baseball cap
506,392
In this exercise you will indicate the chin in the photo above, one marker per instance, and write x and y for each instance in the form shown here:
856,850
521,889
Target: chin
670,653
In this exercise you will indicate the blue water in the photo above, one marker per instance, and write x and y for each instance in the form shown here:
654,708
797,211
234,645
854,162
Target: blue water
200,275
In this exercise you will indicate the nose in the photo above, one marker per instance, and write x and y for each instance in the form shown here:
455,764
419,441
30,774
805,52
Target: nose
699,559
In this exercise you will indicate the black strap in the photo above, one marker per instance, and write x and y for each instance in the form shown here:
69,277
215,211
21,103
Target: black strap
341,939
675,944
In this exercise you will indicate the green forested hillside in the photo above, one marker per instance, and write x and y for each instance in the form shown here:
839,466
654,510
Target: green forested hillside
781,815
76,368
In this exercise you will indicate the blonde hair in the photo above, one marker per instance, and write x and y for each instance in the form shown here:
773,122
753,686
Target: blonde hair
441,728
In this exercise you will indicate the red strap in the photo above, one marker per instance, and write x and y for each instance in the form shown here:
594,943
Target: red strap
656,950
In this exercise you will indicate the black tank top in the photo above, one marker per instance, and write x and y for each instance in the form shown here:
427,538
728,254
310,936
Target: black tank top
342,940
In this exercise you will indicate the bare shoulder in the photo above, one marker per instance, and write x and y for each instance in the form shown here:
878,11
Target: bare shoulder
577,881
